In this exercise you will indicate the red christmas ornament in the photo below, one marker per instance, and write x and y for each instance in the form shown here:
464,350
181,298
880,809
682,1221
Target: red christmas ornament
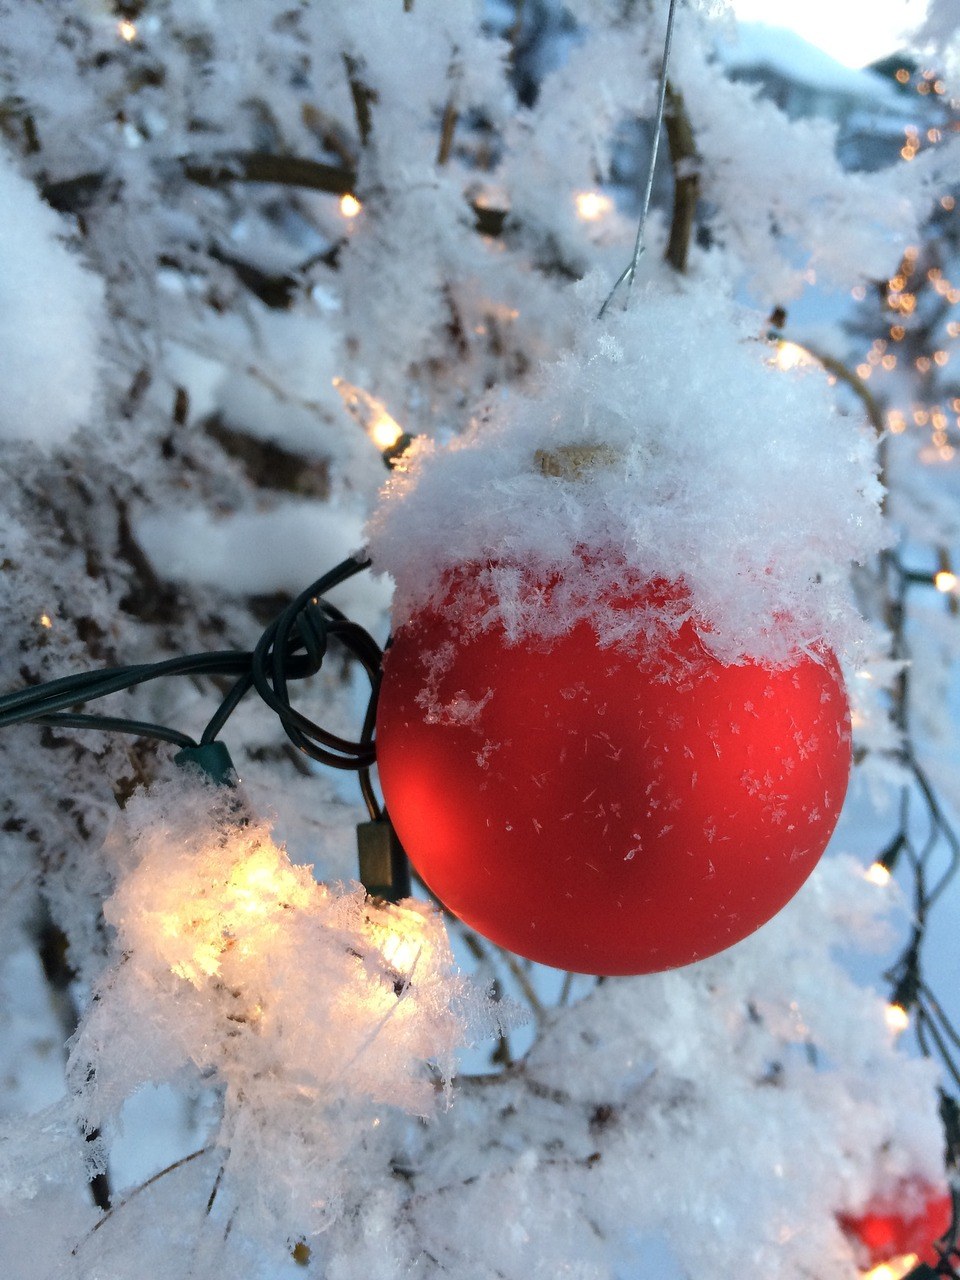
905,1222
600,810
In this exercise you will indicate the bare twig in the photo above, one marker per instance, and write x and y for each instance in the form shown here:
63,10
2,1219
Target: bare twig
686,178
258,166
363,99
171,1168
447,129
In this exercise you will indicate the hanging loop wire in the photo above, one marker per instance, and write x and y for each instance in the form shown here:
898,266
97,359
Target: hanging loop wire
627,275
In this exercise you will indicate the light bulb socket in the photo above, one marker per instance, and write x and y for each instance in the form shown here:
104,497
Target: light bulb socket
384,870
907,988
891,854
395,452
213,761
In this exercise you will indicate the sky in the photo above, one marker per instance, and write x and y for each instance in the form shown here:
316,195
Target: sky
854,32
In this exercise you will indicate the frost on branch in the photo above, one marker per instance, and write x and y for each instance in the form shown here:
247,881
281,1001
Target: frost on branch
308,1009
51,318
712,1120
784,202
714,468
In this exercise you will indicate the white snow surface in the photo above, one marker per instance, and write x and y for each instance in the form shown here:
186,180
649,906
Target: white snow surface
761,44
755,498
279,549
51,320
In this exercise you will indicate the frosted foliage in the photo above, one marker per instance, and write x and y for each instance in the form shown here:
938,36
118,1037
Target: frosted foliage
707,1122
309,1009
261,551
51,317
564,143
763,534
652,1085
782,196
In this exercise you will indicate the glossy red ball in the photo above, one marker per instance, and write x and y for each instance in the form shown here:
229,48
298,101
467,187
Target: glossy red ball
904,1222
601,810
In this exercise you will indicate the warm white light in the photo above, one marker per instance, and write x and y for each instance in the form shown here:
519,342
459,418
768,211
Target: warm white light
371,413
894,1269
245,910
127,30
350,206
945,581
790,355
46,620
897,1018
404,936
877,874
592,205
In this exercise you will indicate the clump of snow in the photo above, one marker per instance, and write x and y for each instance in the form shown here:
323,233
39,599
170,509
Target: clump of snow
755,499
311,1009
262,552
758,45
51,320
786,208
772,1038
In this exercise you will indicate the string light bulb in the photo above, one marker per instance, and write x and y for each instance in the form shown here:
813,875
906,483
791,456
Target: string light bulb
945,581
382,428
592,205
127,30
790,355
897,1018
350,206
878,874
895,1269
404,935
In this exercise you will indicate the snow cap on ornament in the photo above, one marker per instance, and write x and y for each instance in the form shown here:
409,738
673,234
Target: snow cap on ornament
612,735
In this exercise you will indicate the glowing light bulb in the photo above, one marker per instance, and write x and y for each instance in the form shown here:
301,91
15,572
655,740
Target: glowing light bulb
592,205
400,952
877,874
895,1269
897,1018
790,355
945,581
384,430
240,914
350,206
127,30
46,621
404,937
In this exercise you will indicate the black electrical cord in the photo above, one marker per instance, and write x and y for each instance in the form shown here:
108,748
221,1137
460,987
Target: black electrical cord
291,648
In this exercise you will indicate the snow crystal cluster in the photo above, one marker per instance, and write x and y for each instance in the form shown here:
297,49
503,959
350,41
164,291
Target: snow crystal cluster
51,319
711,1121
308,1008
704,465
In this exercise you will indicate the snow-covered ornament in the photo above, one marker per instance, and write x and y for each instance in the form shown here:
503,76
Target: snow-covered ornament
897,1230
610,811
612,733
